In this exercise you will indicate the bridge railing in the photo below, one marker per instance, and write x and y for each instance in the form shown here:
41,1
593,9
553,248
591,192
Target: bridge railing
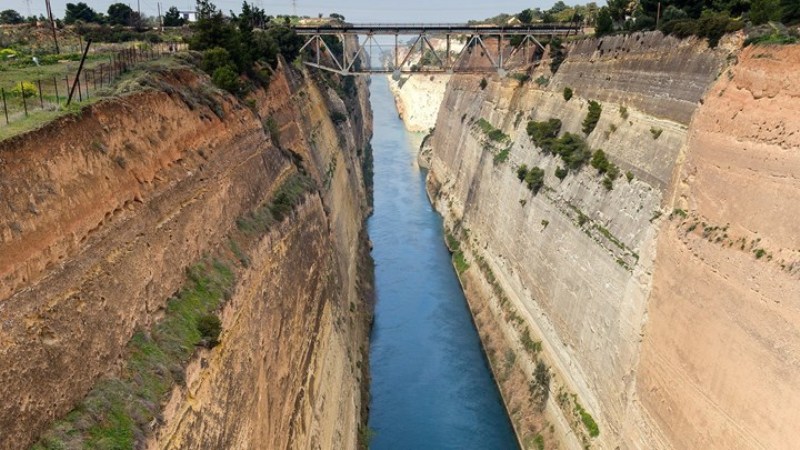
425,26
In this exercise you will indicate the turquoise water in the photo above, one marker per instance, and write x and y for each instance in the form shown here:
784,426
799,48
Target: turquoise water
431,385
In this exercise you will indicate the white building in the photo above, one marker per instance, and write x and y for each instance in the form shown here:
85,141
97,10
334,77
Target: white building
189,16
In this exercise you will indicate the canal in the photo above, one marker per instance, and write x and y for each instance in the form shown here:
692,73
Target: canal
431,385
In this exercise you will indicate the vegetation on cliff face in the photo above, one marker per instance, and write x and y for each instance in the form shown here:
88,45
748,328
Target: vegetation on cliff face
592,117
118,411
573,149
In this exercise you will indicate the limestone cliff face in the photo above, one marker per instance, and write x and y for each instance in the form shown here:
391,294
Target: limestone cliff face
100,214
573,266
418,98
719,358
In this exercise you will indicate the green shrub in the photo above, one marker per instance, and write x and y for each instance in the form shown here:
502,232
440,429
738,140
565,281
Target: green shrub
542,81
790,11
522,78
460,262
608,183
763,11
522,171
599,161
656,132
623,111
215,58
338,117
271,126
605,23
539,386
225,78
502,156
710,25
557,54
629,176
592,117
530,345
588,420
561,173
613,171
492,132
544,134
26,89
484,83
567,93
535,179
538,441
7,53
209,327
573,149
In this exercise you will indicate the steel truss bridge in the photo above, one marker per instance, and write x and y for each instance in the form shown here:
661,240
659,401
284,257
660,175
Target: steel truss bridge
501,48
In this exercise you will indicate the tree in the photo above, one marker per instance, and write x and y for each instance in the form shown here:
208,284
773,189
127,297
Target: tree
763,11
535,179
10,16
605,24
81,12
288,41
618,9
120,14
525,16
558,7
172,18
790,10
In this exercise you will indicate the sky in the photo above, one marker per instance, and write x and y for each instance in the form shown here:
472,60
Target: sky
406,11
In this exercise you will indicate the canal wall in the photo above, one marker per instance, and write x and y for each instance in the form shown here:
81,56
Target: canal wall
121,223
645,301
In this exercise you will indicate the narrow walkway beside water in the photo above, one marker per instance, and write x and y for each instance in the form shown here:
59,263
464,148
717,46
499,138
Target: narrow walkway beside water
431,385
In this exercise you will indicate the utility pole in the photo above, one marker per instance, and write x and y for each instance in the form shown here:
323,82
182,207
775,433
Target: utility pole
294,7
52,25
139,9
658,15
160,22
78,75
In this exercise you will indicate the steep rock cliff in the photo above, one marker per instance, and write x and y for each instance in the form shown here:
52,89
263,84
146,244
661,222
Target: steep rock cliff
572,265
719,359
102,212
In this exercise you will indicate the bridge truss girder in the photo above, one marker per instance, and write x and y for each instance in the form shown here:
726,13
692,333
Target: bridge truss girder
325,59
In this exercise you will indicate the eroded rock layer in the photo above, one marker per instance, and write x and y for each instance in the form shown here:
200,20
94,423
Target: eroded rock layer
101,213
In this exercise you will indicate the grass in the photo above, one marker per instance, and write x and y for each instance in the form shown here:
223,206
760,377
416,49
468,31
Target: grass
678,212
37,118
534,347
588,420
491,132
460,262
288,195
118,409
54,106
502,156
11,73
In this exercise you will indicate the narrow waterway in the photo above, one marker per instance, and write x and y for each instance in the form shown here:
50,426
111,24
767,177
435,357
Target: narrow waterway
431,385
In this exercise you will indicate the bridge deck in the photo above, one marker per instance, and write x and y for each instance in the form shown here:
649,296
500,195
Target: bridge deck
451,28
